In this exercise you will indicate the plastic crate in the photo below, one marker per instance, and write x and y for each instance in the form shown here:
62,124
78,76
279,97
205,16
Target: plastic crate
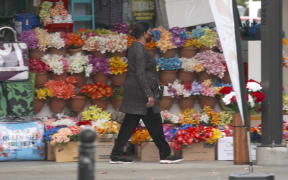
25,22
66,2
108,12
60,27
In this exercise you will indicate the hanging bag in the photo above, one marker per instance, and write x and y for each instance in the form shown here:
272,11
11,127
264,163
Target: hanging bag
14,61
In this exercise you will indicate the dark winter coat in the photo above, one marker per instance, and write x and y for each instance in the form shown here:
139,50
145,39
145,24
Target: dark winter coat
141,76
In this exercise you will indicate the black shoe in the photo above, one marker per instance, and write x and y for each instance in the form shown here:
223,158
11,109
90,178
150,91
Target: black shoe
119,160
171,160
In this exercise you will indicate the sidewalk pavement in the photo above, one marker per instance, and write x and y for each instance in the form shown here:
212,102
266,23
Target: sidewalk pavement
195,170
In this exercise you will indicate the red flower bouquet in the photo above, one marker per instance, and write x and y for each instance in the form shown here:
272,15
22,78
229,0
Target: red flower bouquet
38,66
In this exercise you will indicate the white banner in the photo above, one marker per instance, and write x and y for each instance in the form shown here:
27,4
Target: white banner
222,11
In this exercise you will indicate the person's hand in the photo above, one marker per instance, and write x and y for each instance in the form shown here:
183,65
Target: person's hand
151,102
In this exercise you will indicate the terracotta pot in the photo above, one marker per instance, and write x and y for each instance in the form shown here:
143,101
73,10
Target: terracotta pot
165,103
99,54
204,48
116,102
59,77
226,78
171,53
152,52
61,51
78,103
73,51
100,77
100,103
38,105
167,77
41,79
36,54
188,52
118,80
119,54
80,79
186,76
186,102
207,101
202,76
57,105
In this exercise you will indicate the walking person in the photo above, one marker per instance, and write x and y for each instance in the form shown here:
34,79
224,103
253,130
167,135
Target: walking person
139,100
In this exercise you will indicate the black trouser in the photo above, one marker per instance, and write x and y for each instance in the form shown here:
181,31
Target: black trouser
153,123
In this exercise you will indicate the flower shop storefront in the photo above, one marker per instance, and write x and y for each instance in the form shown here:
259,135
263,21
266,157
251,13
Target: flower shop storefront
76,81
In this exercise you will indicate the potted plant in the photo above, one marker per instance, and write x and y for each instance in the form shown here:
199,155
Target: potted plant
190,48
117,97
186,99
213,64
30,38
79,67
57,43
208,40
118,67
99,94
40,99
187,72
58,66
100,70
96,44
168,69
41,69
208,94
60,92
163,39
75,44
117,44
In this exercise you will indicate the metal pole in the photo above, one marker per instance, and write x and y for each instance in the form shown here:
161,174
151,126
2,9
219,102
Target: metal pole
271,53
86,154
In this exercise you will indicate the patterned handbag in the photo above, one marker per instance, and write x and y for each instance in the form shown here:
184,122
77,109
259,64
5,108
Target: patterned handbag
3,102
14,60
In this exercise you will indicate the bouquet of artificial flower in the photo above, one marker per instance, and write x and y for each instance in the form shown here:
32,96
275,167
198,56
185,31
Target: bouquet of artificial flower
75,41
93,113
62,89
208,39
254,97
212,62
43,93
97,91
175,90
191,64
190,116
169,64
208,89
106,127
79,63
121,28
96,43
58,64
163,39
118,65
30,38
38,66
56,40
179,36
198,32
117,42
43,38
99,64
140,135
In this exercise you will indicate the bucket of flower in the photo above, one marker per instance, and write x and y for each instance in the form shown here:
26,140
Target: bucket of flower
98,93
75,43
100,68
41,70
40,99
168,69
118,68
58,66
60,92
208,93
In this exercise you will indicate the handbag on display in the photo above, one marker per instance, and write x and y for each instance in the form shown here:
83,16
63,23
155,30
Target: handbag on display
3,102
14,60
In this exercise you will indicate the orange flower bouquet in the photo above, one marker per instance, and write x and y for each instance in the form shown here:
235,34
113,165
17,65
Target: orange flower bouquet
75,41
97,91
62,89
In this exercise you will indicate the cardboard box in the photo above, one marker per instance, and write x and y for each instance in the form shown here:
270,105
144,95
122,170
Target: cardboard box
103,151
50,153
225,149
199,152
147,151
67,152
